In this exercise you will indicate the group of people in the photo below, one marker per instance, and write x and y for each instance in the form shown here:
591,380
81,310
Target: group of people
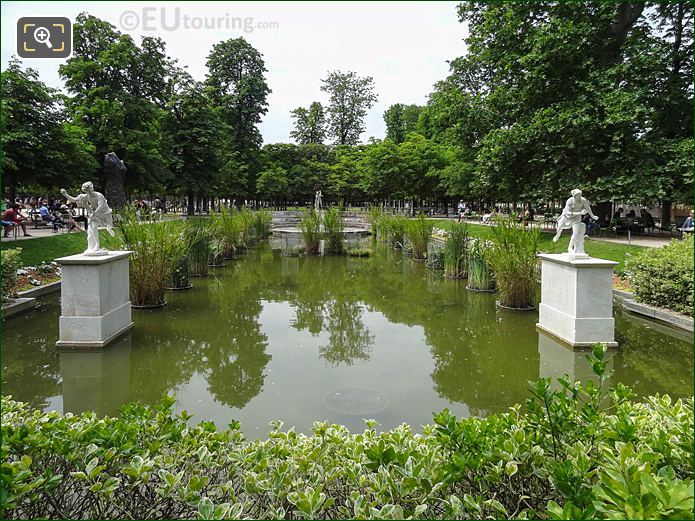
521,215
55,213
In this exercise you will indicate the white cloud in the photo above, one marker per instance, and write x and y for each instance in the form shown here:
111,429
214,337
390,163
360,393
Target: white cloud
404,46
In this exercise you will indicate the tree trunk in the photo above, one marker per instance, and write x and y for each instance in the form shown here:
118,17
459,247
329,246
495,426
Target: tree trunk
191,203
665,213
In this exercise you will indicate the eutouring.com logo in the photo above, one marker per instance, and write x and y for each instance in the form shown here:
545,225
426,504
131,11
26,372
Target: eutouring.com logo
44,37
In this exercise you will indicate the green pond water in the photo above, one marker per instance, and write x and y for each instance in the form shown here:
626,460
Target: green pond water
324,338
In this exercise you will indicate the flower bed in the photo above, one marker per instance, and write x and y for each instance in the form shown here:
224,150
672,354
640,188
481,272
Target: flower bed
30,277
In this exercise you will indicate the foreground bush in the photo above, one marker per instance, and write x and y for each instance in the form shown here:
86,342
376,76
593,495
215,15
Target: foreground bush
663,277
9,264
566,458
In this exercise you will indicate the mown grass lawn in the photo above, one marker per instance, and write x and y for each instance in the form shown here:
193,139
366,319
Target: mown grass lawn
45,249
595,248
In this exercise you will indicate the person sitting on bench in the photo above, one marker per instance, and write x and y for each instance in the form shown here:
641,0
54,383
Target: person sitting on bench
45,212
13,216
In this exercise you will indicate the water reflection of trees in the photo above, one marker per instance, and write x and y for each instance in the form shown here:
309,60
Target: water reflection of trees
235,355
326,299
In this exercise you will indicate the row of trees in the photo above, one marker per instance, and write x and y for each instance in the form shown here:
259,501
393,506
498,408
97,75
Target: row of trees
550,96
553,95
416,168
174,134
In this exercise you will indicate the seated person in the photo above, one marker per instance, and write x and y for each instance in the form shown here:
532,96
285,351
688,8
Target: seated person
689,223
56,220
591,225
487,215
12,215
646,218
45,212
75,217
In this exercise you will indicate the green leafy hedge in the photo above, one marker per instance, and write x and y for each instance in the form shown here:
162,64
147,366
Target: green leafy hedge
663,277
567,457
10,262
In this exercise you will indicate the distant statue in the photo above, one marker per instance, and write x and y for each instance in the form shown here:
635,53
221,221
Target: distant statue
571,218
98,214
318,201
114,180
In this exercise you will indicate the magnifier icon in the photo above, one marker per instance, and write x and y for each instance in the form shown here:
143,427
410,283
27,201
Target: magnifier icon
43,35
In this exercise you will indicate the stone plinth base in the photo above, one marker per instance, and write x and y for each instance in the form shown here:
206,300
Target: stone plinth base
577,299
95,304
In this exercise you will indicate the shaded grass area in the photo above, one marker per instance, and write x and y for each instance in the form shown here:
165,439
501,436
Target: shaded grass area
595,248
46,249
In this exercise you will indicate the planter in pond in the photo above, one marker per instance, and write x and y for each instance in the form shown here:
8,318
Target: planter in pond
479,275
512,255
455,252
149,306
180,278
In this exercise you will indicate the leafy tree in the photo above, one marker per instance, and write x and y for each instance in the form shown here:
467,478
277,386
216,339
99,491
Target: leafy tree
273,184
40,144
194,127
309,125
236,77
118,93
350,98
557,95
347,175
401,120
384,170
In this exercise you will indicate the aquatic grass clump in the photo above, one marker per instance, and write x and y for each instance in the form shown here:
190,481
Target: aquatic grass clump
216,257
180,277
419,232
480,276
231,227
376,216
359,252
156,248
455,254
512,255
393,229
262,223
200,236
436,260
310,226
333,230
246,218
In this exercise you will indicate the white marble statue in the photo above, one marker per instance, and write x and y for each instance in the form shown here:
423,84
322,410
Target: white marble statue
318,200
571,218
98,214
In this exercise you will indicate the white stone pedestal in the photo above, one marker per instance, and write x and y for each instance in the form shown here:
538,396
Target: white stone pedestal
577,299
95,303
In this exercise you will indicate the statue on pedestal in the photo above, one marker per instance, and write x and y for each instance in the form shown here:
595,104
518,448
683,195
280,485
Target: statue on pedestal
98,214
571,218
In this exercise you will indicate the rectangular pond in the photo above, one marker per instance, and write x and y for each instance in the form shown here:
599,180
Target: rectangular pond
335,339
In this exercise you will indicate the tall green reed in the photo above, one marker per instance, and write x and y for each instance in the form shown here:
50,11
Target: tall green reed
333,230
419,232
513,257
310,226
455,254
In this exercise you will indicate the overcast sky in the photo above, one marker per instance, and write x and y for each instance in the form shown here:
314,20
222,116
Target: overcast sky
404,46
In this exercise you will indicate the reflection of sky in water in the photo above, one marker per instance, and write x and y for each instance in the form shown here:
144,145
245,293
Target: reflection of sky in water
304,339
